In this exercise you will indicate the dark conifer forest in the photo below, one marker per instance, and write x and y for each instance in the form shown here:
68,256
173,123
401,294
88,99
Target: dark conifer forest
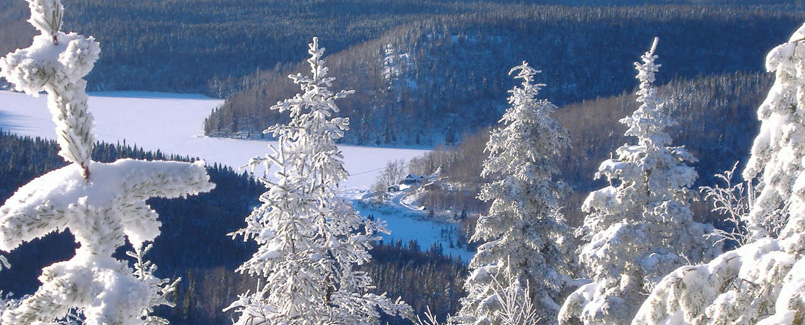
435,81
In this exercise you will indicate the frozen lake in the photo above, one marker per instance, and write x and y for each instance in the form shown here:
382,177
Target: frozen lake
173,124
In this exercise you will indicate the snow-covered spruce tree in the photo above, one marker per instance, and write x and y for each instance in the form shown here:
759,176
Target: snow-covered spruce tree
309,239
523,228
101,204
639,227
764,281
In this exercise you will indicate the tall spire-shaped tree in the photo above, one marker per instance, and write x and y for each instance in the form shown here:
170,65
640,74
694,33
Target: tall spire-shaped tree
523,224
309,238
640,227
762,282
102,208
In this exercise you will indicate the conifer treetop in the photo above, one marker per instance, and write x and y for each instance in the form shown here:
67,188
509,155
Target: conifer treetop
649,121
56,63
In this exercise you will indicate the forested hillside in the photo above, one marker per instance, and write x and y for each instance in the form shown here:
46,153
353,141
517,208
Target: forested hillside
146,42
16,31
214,43
434,81
218,45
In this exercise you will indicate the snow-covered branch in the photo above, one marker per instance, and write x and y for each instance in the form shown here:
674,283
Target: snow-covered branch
101,209
56,63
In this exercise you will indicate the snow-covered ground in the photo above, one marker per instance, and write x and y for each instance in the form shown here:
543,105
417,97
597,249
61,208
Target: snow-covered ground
172,123
408,221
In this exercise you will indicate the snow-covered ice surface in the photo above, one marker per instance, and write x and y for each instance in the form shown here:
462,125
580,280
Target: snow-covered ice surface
172,123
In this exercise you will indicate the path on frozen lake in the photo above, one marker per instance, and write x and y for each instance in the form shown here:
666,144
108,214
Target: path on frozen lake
173,123
407,222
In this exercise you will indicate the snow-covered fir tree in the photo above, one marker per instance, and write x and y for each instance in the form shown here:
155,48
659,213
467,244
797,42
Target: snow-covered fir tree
393,65
523,229
310,240
640,227
762,282
101,204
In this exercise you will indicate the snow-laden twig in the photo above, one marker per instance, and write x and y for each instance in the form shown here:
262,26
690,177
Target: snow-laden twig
161,289
516,306
56,63
734,202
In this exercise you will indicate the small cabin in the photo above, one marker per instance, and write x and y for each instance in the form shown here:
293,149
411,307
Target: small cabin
411,179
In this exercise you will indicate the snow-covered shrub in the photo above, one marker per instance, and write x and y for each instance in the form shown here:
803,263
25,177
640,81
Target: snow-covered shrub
430,319
516,305
523,228
762,282
101,204
309,239
640,227
734,201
